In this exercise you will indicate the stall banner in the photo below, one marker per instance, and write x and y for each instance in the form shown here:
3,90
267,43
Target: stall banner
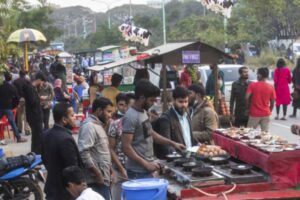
219,6
107,77
135,34
190,57
108,56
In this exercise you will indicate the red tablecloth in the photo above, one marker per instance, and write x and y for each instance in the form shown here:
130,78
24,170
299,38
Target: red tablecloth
283,167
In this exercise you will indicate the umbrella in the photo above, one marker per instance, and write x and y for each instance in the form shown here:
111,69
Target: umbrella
25,36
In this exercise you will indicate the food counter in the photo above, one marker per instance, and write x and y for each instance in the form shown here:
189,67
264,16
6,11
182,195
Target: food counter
243,164
272,154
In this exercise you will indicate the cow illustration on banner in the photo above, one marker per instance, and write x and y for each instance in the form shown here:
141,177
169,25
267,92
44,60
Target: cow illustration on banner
219,6
135,34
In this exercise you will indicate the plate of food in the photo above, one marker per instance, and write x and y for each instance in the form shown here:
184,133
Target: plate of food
210,151
273,150
289,149
261,145
245,141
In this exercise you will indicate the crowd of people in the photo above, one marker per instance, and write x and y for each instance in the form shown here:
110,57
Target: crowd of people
122,134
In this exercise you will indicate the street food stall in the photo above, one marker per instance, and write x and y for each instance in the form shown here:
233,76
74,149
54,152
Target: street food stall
242,164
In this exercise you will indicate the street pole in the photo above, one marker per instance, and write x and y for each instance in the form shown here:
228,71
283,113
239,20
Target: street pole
130,11
225,34
164,21
108,13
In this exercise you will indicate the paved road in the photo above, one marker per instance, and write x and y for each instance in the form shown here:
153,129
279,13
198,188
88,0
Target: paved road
282,128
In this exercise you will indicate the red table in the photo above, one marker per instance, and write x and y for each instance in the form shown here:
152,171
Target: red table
283,167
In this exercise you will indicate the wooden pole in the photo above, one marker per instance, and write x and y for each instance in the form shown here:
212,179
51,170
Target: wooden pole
26,56
216,97
164,96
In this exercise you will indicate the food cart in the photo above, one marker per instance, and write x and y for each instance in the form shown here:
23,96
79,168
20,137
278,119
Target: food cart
257,165
68,61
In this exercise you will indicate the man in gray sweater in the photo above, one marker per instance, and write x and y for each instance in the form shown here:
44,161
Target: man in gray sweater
94,147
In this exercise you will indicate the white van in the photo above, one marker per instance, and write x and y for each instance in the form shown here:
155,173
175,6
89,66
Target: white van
296,50
231,74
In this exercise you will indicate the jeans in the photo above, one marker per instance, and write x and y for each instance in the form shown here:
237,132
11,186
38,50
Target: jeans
103,190
138,175
10,117
36,133
46,116
116,189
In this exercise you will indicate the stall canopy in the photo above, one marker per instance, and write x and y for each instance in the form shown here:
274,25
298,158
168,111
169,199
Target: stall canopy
186,53
112,65
174,54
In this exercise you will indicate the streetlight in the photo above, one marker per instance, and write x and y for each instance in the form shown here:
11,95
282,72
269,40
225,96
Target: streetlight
108,10
164,21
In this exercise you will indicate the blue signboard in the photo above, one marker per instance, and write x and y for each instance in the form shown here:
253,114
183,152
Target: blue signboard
190,57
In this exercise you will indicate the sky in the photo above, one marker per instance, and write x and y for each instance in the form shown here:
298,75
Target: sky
95,5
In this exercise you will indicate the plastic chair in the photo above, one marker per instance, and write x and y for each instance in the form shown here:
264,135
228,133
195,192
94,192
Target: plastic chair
1,130
4,125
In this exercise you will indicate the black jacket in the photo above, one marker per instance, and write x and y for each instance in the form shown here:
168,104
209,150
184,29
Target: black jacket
237,99
19,83
32,102
168,126
59,150
8,96
57,70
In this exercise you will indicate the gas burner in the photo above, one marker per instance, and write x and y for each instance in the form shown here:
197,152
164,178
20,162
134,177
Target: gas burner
203,175
177,173
241,173
225,166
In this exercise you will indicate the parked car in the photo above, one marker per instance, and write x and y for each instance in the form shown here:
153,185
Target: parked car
231,74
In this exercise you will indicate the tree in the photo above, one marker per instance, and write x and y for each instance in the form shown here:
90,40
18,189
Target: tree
38,18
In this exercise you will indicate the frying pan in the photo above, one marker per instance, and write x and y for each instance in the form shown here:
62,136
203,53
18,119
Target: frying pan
173,156
180,161
219,160
189,166
241,169
202,171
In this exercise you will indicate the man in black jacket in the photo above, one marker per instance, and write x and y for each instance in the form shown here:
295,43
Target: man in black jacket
237,98
8,101
175,123
59,150
34,110
58,71
22,123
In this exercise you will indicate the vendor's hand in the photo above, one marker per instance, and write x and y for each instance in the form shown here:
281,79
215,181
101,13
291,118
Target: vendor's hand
123,173
152,166
179,147
99,179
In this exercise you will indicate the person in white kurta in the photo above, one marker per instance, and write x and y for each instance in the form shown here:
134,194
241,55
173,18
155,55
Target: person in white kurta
89,194
74,181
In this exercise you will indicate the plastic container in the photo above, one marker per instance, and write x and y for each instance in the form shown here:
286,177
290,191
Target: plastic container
149,189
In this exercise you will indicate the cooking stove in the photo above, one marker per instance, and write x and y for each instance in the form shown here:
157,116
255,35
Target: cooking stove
186,178
251,177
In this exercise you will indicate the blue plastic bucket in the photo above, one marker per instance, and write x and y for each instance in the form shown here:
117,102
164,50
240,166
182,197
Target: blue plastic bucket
148,189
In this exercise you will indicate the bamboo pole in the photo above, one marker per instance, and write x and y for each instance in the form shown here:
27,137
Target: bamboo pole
26,56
